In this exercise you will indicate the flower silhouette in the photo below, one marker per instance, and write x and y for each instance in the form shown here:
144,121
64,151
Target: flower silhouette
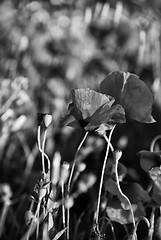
94,111
131,93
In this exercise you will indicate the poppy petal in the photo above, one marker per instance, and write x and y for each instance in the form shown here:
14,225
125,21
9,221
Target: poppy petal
87,101
132,93
107,116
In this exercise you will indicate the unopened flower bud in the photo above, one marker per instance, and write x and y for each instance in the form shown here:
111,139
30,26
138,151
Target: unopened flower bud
117,155
44,118
47,119
42,193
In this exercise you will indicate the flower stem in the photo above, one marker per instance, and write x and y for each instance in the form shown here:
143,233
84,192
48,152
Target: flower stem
107,140
63,206
152,146
42,149
151,229
4,215
102,176
70,180
122,194
39,145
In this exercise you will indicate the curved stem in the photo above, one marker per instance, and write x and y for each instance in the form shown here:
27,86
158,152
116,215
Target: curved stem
154,142
70,180
102,176
122,194
42,149
39,145
142,218
107,140
111,225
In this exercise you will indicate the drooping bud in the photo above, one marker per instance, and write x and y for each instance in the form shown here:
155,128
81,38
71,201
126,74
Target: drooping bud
47,119
44,119
117,155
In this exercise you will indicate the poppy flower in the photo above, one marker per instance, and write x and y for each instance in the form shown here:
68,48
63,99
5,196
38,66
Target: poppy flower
131,93
94,111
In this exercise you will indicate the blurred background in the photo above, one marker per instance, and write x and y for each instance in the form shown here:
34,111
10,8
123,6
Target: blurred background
48,48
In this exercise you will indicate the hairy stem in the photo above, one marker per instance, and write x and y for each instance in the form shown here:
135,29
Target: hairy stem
102,176
42,149
70,180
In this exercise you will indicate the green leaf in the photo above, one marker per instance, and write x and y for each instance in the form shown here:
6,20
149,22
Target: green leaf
131,93
112,186
135,192
117,214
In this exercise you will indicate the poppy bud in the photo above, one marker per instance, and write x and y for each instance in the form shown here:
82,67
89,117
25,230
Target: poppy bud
117,155
47,119
44,119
